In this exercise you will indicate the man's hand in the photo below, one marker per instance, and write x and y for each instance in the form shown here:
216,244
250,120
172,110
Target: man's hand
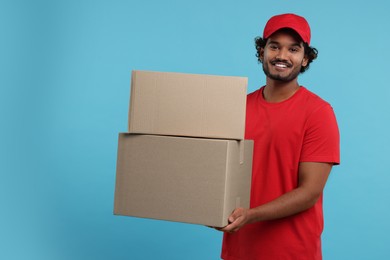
237,219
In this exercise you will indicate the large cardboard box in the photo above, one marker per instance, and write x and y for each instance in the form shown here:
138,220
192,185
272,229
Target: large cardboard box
179,104
192,180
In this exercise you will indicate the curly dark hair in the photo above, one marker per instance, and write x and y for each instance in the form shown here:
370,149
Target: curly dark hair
310,52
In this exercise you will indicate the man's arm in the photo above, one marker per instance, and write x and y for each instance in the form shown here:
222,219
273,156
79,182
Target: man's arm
312,179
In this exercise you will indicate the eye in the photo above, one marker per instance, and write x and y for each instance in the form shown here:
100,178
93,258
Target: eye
273,47
295,49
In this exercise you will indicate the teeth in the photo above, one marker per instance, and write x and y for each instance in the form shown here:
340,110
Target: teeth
281,65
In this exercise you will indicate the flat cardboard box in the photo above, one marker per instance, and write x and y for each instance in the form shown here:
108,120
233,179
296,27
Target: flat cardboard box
192,180
180,104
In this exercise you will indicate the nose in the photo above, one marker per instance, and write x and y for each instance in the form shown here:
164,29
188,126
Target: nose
282,54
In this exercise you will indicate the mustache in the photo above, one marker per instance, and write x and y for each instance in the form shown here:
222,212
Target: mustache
285,62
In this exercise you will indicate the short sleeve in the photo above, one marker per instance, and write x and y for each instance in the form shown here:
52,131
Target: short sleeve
321,139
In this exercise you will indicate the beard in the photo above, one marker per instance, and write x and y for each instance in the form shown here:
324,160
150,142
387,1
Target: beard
286,78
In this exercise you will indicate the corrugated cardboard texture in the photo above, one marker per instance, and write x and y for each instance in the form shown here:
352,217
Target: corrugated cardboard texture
180,104
190,180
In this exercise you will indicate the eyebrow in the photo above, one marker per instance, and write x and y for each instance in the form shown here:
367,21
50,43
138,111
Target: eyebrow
296,44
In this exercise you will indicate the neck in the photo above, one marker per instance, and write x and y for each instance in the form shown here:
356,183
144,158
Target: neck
278,91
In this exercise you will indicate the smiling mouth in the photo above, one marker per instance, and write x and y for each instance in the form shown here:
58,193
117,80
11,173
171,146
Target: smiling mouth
282,65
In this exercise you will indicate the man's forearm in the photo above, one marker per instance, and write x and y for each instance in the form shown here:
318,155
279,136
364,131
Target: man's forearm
290,203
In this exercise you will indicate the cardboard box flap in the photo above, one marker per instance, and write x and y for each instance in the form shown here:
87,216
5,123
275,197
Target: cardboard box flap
238,184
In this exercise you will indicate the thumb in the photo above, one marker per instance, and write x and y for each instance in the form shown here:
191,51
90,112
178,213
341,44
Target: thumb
233,216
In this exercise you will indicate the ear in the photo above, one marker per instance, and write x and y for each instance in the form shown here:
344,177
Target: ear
261,57
305,61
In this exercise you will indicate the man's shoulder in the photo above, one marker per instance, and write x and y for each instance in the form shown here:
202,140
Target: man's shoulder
312,98
255,94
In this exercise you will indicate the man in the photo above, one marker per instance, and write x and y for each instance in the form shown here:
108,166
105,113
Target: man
296,143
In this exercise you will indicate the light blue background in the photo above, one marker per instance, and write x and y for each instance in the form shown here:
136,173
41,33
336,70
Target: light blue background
64,80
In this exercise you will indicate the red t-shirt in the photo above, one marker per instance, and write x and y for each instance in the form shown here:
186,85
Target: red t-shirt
302,128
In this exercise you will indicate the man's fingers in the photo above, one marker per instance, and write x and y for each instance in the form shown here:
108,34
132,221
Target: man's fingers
235,214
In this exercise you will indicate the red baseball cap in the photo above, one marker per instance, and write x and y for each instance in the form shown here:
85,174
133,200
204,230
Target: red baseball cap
292,21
